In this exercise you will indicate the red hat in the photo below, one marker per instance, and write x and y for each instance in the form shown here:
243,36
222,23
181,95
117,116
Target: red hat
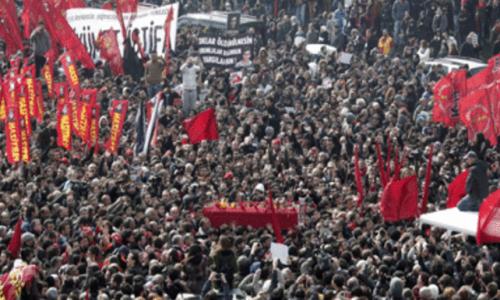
276,141
184,141
228,175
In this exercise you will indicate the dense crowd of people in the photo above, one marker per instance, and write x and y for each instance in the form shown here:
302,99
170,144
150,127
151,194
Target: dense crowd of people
128,226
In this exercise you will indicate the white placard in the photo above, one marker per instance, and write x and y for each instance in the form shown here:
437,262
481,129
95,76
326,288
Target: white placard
345,58
279,251
88,22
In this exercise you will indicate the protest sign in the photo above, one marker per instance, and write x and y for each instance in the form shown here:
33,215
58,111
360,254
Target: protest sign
279,251
89,22
226,52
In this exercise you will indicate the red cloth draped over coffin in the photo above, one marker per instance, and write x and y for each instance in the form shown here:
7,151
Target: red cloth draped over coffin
250,214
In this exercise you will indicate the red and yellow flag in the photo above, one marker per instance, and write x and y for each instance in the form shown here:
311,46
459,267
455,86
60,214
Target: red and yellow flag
24,107
24,140
12,134
71,72
39,101
64,123
118,115
95,113
49,77
88,99
2,104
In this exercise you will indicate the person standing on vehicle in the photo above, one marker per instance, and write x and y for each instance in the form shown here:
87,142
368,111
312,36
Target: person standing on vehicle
40,44
476,185
189,85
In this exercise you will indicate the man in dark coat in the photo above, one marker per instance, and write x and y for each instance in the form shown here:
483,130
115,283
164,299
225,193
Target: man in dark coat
476,185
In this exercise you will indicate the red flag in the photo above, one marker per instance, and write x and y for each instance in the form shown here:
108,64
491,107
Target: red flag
12,283
476,114
107,5
109,51
31,98
494,67
26,19
380,161
201,127
64,123
24,135
119,14
427,181
488,225
2,103
118,114
12,134
400,199
61,91
357,176
275,221
9,16
39,100
456,189
62,33
11,46
88,99
397,163
75,4
447,92
478,80
14,246
389,151
168,22
95,113
47,73
24,107
71,72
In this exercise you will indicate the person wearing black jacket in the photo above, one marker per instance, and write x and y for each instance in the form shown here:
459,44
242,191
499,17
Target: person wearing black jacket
476,185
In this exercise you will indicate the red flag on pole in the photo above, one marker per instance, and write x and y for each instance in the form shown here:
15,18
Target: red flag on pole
24,107
388,160
168,22
400,199
381,168
494,67
201,127
9,15
447,91
125,6
357,176
478,80
489,220
118,114
12,134
64,123
25,140
2,104
456,189
476,114
14,246
49,77
95,113
275,221
109,51
88,100
71,72
61,32
427,181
